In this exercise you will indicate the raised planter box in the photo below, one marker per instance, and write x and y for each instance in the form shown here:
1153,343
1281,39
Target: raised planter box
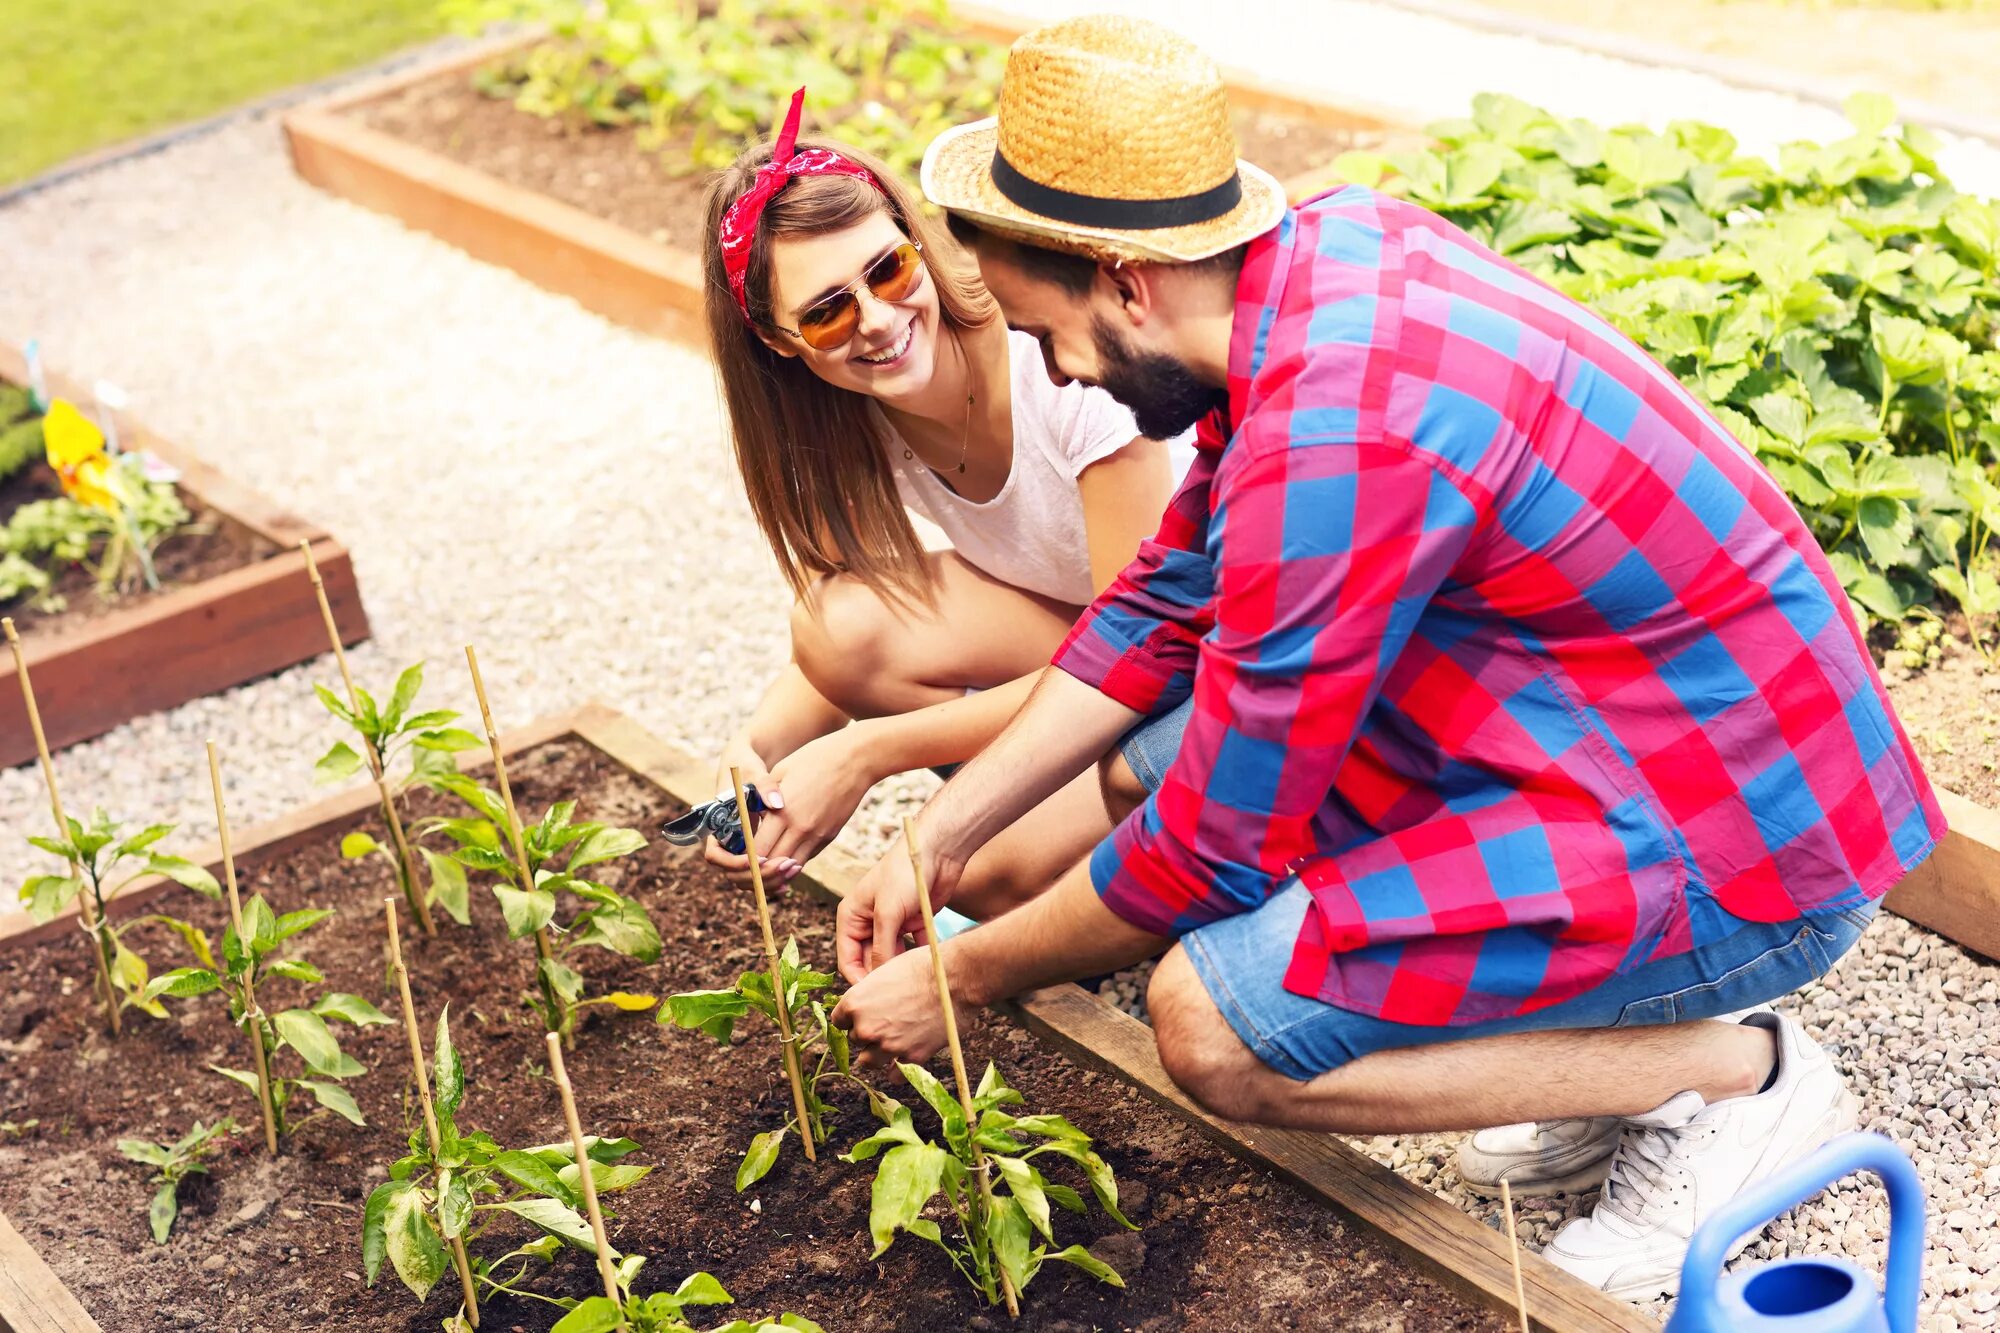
163,649
627,277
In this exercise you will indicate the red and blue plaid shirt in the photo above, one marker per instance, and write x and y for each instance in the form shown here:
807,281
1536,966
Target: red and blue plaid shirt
1496,639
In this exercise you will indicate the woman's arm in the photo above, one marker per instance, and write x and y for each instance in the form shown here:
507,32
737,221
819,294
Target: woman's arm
1124,496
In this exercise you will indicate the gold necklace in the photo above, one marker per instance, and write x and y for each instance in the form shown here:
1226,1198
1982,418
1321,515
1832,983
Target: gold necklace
964,439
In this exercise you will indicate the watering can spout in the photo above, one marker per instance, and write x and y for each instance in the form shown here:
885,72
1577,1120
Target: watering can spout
1820,1294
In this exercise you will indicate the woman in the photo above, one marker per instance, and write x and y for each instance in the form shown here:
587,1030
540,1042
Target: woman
865,368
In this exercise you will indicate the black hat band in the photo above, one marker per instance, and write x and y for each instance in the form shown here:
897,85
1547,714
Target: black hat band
1090,210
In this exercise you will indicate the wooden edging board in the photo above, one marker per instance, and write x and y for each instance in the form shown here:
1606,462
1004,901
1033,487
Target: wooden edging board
168,648
628,278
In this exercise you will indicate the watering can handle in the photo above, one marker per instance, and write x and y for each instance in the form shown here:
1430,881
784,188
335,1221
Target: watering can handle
1804,1178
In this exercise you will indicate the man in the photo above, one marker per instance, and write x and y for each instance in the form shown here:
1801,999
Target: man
1497,719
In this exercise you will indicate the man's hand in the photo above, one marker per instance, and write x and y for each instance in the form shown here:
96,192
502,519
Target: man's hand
883,907
893,1012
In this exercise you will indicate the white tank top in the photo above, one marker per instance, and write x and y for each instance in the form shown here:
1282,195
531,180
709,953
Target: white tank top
1032,534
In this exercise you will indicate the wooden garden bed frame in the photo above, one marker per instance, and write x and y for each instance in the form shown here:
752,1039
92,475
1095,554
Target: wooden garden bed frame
1430,1233
612,270
167,648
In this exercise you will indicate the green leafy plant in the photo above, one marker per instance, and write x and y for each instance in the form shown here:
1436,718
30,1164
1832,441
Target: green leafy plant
1836,310
716,1012
247,963
975,1164
557,849
429,741
886,76
173,1163
661,1312
104,864
42,537
431,1199
20,430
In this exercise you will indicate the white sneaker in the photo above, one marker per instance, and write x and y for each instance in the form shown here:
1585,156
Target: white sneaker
1549,1156
1675,1165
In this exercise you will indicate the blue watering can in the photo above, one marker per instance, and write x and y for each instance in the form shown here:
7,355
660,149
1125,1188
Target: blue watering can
1819,1294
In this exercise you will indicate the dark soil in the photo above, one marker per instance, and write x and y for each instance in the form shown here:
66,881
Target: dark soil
211,544
603,171
1951,711
273,1246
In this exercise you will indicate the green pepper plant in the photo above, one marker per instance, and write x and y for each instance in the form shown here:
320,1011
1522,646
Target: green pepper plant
173,1163
557,849
456,1193
716,1012
997,1230
430,741
103,863
661,1312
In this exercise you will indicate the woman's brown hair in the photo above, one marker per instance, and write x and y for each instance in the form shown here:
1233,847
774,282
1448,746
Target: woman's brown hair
813,456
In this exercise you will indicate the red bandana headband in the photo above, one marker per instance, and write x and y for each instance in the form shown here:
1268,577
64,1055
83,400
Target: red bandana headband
739,224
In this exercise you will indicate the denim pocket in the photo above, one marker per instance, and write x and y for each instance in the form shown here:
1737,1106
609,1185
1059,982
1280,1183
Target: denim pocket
1773,973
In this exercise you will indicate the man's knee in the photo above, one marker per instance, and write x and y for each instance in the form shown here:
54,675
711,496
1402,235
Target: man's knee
1122,790
841,637
1200,1051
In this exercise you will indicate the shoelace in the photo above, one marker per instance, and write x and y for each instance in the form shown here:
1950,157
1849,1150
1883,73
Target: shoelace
716,819
1645,1158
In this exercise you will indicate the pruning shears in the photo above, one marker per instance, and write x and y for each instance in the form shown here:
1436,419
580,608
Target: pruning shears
716,819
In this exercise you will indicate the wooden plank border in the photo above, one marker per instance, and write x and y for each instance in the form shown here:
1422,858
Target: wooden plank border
611,270
32,1299
164,650
1430,1233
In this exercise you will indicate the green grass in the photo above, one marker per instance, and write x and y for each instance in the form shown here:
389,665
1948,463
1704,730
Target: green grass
78,74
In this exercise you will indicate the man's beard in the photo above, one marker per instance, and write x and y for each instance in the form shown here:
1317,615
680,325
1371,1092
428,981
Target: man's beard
1164,395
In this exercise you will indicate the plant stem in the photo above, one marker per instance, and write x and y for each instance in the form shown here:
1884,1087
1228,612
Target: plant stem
980,1168
585,1177
253,1019
85,904
459,1260
779,1003
557,1010
419,908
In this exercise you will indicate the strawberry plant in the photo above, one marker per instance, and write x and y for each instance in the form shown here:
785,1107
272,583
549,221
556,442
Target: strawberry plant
716,1012
1837,310
103,863
387,733
997,1230
887,76
459,1191
556,850
173,1163
247,963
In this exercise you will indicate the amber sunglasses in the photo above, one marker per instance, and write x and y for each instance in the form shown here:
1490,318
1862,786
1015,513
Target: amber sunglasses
831,320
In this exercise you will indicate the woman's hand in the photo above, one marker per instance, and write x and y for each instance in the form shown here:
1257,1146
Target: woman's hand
738,755
819,785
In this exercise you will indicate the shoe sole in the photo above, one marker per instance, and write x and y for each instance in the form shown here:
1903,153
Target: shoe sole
1581,1181
1842,1116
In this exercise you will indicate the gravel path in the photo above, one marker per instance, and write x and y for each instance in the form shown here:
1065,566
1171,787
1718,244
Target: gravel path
514,472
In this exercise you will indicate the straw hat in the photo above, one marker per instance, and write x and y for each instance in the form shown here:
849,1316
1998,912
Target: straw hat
1113,141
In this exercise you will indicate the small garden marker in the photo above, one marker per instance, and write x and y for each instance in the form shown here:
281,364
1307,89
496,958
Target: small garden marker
86,909
957,1051
544,953
1514,1252
253,1019
584,1175
419,906
424,1097
785,1029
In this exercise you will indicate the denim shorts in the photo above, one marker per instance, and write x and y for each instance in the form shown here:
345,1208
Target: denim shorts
1151,745
1241,961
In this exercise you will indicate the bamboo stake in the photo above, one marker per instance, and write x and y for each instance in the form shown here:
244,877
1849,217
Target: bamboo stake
253,1018
412,891
584,1176
957,1050
544,952
86,900
1514,1253
793,1072
458,1258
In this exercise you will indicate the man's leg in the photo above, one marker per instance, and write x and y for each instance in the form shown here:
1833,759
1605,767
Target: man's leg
1450,1085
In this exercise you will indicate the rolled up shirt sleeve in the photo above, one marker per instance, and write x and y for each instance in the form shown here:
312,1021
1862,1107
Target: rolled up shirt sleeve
1137,642
1328,554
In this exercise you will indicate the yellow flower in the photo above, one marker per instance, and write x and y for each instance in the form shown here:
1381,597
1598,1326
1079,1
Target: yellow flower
76,452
